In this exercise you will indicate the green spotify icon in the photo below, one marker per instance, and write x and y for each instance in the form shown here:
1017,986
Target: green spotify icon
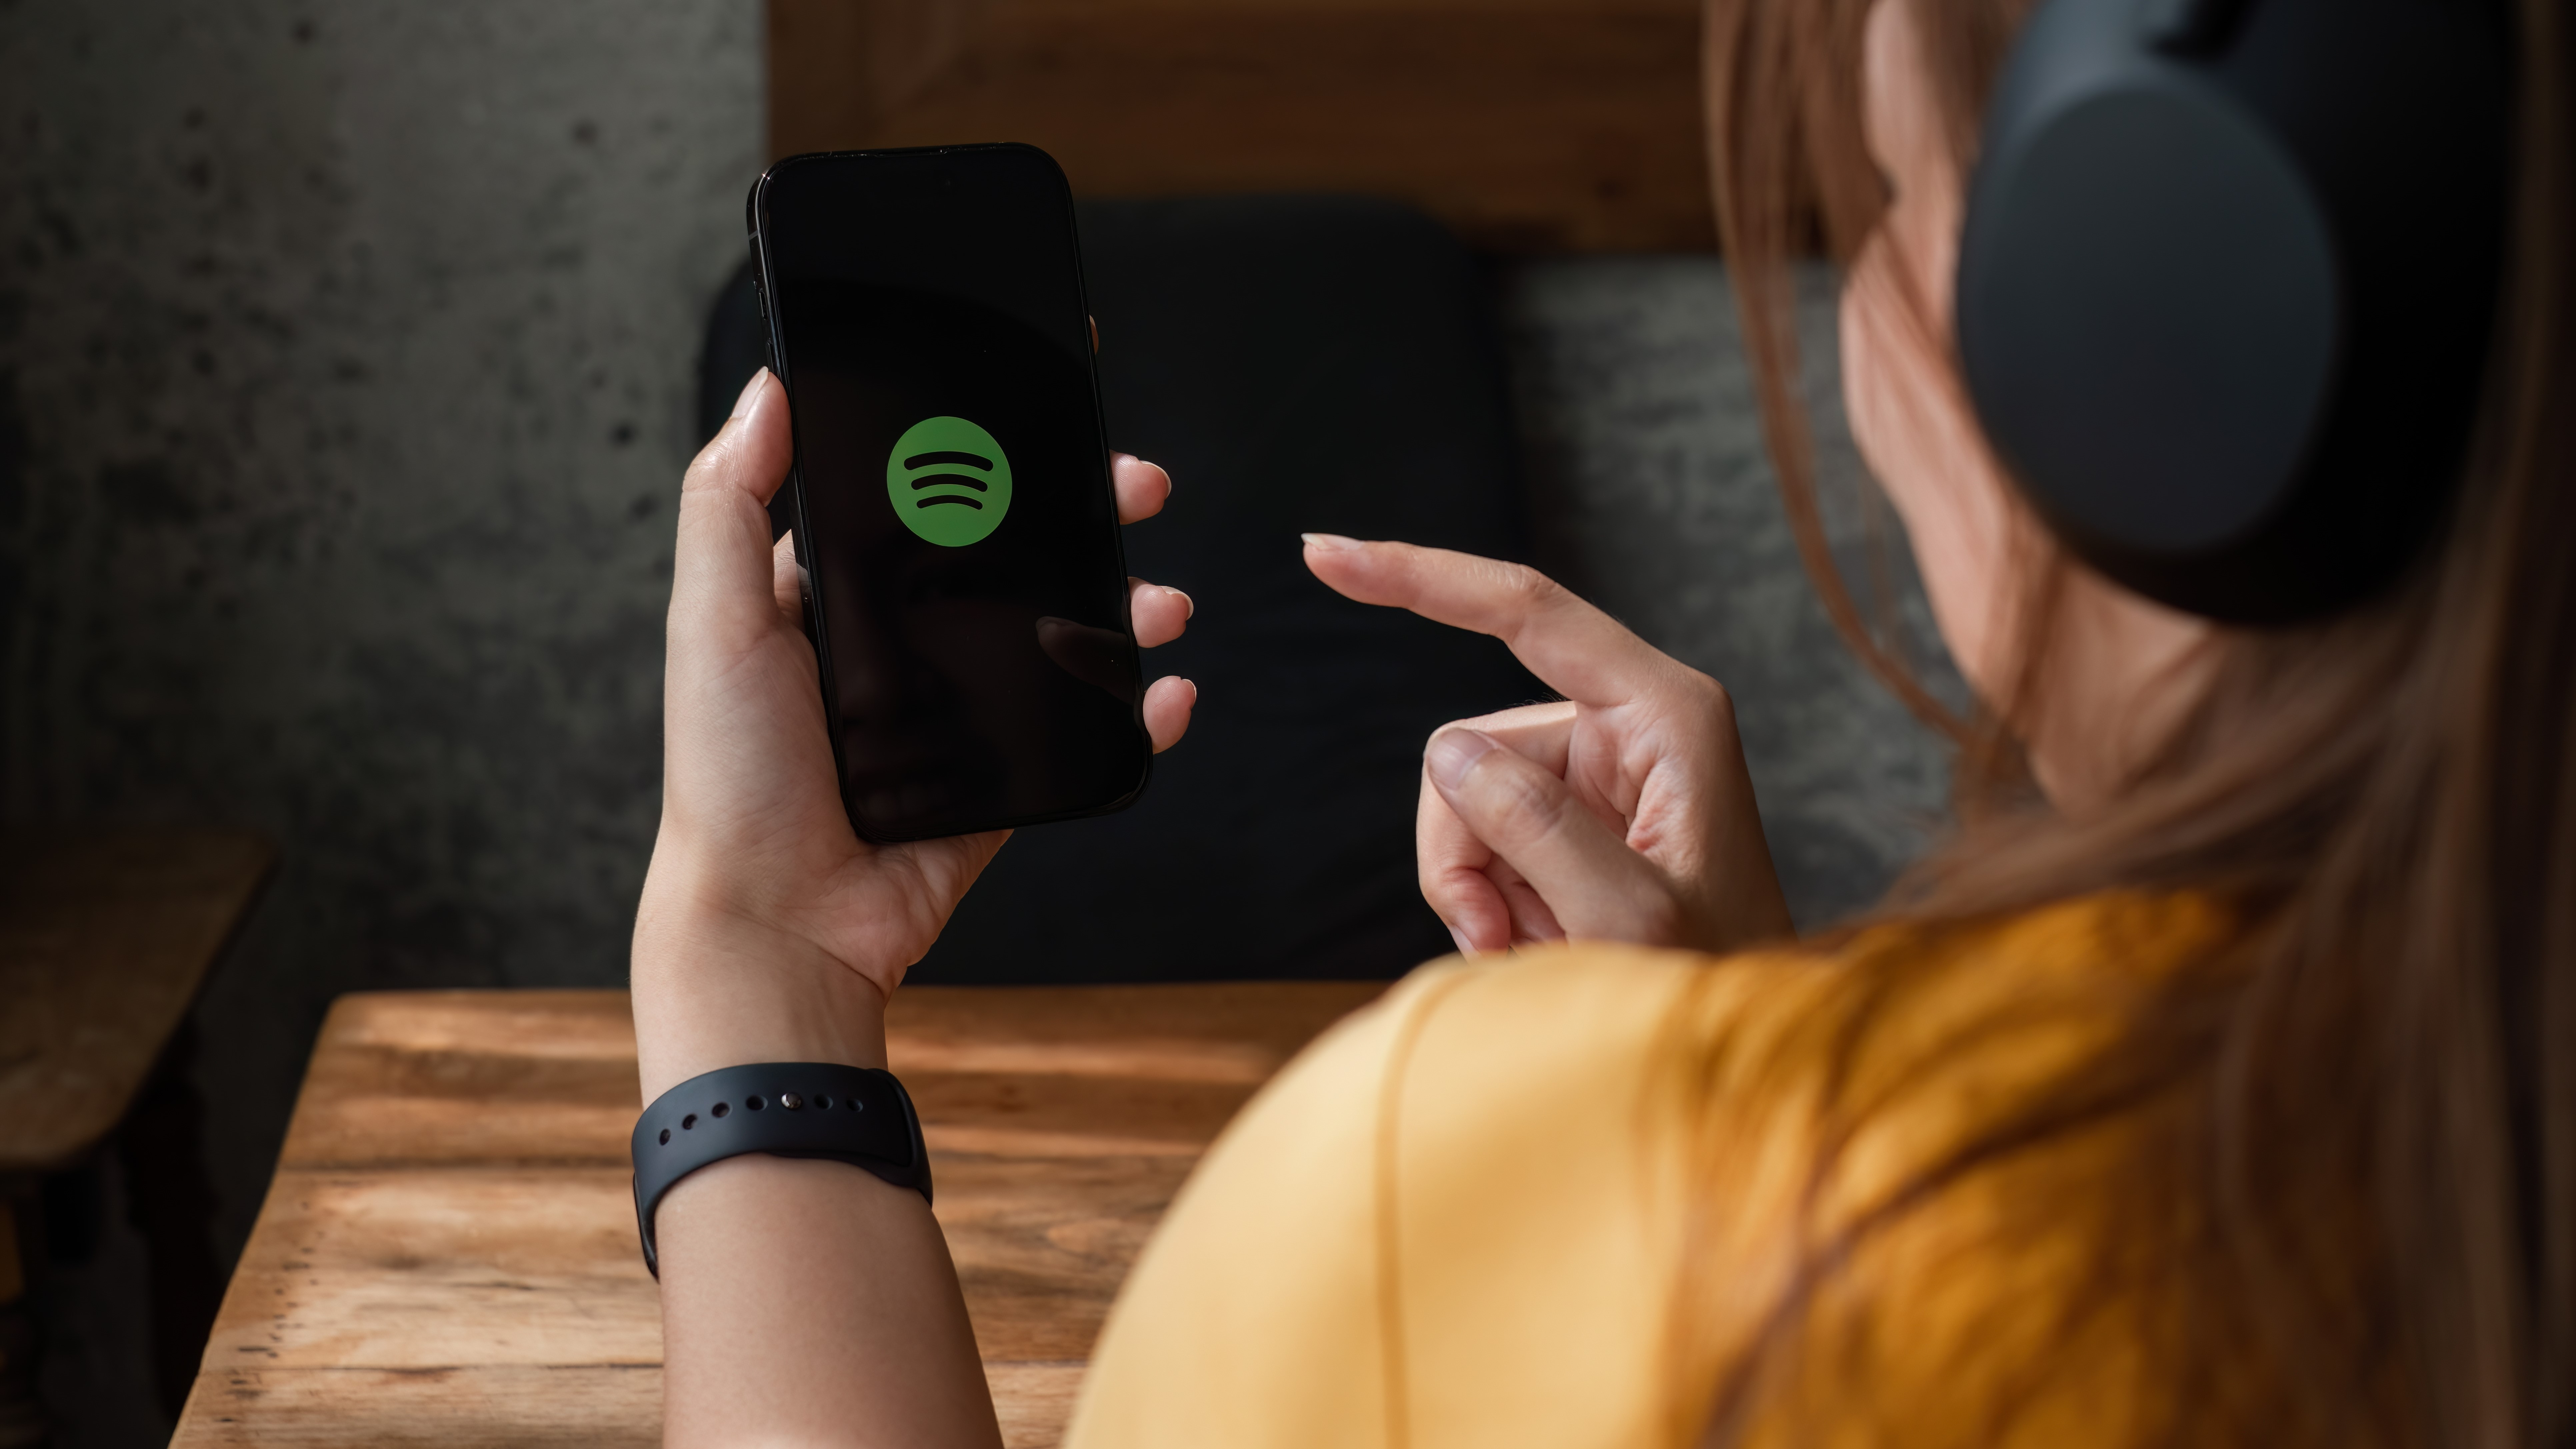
948,481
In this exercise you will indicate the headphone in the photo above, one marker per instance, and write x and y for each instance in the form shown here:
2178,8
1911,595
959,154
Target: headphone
2226,283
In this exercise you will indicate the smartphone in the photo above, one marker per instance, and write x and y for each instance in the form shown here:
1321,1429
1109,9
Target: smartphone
954,520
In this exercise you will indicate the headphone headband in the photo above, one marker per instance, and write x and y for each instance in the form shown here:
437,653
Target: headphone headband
2226,283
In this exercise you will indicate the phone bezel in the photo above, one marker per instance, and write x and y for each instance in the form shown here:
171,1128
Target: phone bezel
817,626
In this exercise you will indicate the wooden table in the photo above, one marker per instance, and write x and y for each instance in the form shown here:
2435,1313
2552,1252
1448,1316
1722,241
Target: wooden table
447,1255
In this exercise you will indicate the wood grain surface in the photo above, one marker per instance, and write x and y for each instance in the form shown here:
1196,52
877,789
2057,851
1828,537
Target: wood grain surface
447,1255
104,939
1527,125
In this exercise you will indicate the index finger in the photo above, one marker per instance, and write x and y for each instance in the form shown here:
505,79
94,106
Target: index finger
1572,647
1143,488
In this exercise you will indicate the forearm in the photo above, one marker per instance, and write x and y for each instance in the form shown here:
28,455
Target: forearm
802,1302
810,1303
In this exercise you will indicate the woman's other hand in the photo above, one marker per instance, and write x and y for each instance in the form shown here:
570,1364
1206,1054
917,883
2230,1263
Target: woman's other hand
1621,813
768,930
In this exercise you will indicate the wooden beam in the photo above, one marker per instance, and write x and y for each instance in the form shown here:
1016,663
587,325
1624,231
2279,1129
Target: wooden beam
1527,125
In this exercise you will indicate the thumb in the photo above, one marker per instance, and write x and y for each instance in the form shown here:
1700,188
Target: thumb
1597,887
724,570
752,452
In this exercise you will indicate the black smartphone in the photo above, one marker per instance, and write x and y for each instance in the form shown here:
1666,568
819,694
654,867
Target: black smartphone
953,509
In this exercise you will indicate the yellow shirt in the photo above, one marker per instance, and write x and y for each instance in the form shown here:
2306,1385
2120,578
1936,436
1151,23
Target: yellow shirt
1462,1216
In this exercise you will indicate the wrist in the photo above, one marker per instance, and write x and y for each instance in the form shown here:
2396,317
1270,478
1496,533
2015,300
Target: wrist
714,988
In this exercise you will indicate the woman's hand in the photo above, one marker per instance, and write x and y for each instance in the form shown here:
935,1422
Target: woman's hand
768,930
1621,813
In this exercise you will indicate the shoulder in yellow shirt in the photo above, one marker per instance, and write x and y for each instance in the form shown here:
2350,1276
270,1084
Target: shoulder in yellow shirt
1462,1217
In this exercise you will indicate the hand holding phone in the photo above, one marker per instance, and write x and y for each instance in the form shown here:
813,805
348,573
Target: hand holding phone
768,930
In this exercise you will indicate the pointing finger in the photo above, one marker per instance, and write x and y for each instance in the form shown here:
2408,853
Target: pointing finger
1577,650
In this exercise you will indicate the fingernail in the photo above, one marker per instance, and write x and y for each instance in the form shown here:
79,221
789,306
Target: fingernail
1463,948
1187,602
750,390
1453,753
1329,542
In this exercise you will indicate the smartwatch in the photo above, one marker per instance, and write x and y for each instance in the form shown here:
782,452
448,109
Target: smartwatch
858,1115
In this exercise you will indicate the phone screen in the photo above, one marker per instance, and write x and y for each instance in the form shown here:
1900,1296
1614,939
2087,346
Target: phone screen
954,513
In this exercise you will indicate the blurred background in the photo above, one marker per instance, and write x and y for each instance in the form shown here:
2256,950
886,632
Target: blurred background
350,354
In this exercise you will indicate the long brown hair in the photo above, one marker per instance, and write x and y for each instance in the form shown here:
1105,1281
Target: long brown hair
2384,801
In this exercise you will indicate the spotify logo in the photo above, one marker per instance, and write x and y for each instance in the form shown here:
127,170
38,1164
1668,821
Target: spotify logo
949,481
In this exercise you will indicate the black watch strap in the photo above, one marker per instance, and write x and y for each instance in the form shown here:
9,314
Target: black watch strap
858,1115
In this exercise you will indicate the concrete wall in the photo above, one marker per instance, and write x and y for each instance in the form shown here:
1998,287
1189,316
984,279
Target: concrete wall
346,361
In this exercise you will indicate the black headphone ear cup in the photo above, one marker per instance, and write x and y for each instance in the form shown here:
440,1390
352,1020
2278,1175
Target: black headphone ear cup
2223,305
2149,318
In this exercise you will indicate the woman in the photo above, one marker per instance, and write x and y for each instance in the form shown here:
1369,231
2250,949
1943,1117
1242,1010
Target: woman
2208,1086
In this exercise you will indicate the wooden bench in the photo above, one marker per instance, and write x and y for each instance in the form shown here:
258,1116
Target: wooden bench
447,1255
105,940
